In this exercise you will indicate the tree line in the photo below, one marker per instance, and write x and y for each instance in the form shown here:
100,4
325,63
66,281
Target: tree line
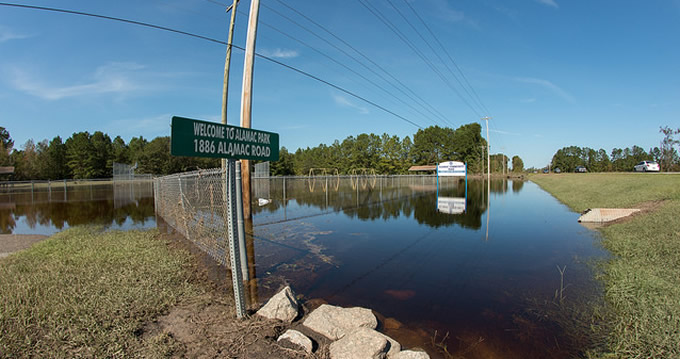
620,159
91,155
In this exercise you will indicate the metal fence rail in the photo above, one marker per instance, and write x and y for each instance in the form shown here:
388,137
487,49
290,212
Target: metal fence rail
195,204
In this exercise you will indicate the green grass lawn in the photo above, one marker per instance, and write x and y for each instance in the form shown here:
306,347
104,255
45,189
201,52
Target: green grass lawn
88,293
642,280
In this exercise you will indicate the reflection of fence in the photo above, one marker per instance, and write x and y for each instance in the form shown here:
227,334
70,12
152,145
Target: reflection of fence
195,205
131,192
261,188
363,177
298,197
49,186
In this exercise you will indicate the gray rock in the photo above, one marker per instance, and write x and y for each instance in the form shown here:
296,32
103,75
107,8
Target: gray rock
334,322
411,354
361,343
298,339
395,347
283,306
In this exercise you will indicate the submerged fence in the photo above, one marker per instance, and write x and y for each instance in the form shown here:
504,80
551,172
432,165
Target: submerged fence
195,204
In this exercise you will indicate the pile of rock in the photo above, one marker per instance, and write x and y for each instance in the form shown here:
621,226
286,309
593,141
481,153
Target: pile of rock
351,330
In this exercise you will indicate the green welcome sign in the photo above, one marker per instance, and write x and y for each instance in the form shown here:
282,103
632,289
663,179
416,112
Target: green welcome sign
196,138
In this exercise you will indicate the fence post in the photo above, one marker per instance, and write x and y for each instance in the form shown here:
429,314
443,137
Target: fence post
236,274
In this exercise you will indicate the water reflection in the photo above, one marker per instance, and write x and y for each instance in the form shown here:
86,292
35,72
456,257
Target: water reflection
371,199
390,248
386,243
45,212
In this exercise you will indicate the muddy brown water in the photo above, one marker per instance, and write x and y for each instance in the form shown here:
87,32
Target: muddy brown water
459,272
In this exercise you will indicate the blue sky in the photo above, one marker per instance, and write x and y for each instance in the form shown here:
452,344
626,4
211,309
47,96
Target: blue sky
552,73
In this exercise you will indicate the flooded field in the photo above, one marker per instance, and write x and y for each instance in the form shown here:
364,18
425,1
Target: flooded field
474,277
452,269
43,210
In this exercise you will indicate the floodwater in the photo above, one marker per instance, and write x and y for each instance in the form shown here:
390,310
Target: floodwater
43,210
456,273
447,268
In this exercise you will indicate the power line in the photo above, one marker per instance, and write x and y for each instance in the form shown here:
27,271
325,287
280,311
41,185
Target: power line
414,97
441,60
158,27
448,55
343,65
377,13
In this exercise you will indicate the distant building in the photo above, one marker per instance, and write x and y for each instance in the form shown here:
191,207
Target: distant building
6,172
426,168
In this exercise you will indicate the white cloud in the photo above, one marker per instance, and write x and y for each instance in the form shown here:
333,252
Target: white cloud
528,100
548,85
342,101
280,53
114,77
446,12
549,3
7,35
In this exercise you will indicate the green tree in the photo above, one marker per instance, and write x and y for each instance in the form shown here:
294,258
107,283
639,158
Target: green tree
284,166
120,152
80,155
102,160
6,144
406,158
26,163
57,167
467,141
136,148
517,164
433,145
568,158
667,147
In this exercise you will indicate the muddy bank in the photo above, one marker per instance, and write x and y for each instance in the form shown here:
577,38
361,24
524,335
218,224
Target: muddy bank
10,243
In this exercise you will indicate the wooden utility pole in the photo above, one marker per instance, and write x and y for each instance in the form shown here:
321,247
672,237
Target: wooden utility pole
247,98
227,64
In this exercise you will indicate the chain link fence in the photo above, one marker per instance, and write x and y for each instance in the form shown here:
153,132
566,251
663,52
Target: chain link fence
125,172
195,204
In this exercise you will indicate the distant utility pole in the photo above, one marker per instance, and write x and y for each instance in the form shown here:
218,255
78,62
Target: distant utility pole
247,98
488,148
227,64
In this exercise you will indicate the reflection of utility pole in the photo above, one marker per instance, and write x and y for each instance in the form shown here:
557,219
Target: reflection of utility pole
247,98
227,64
488,175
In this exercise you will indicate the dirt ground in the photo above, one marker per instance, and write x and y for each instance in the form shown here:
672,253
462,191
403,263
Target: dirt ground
10,243
207,327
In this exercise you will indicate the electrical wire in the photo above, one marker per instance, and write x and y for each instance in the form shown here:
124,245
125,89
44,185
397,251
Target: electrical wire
415,98
441,60
329,57
488,113
377,13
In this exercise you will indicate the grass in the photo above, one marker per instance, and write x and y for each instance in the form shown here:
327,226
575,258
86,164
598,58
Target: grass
642,280
88,293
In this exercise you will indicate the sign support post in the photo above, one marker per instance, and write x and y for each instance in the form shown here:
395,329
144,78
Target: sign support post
196,138
234,247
